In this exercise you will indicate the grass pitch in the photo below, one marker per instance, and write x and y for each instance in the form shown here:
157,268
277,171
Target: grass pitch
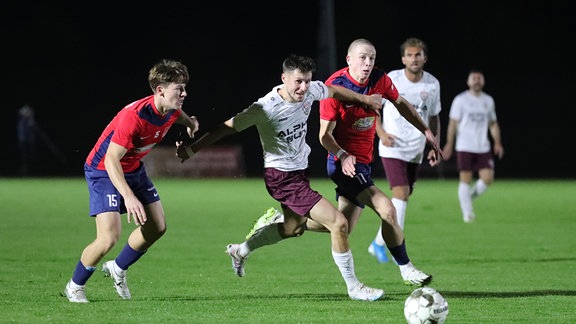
515,264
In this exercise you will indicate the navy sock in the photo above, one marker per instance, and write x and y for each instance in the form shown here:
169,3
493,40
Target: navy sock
127,257
399,253
82,273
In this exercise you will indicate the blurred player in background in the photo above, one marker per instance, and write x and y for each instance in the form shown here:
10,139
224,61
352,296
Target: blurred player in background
118,183
401,146
281,120
472,117
27,141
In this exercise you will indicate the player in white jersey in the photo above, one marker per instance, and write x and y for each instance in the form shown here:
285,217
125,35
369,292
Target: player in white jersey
472,116
401,146
281,119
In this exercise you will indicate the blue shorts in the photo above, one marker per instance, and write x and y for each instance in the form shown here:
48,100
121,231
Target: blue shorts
104,197
291,189
346,186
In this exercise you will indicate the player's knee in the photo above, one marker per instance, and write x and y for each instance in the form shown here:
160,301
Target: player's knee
488,180
106,243
386,213
389,218
288,232
340,225
153,233
299,231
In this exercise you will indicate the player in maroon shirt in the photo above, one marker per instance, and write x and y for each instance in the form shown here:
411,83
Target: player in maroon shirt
118,183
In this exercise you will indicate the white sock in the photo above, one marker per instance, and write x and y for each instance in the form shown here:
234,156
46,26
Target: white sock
464,198
479,188
378,239
345,263
117,270
406,267
266,236
400,206
74,285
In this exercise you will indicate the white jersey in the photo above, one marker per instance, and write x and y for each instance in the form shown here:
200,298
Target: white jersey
424,95
282,126
474,115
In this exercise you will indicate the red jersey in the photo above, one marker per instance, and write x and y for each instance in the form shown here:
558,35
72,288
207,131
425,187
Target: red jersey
137,127
356,125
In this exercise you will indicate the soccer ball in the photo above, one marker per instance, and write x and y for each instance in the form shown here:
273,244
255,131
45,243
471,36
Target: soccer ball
425,305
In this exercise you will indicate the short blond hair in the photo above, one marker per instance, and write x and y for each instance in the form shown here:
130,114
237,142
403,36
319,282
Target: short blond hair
358,42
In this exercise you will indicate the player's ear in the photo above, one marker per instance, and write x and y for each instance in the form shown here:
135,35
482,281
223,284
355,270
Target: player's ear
159,90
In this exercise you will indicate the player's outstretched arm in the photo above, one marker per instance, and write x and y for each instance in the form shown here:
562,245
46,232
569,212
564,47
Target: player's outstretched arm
411,115
184,152
373,101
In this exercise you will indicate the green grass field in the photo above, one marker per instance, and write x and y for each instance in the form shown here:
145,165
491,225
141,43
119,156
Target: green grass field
515,264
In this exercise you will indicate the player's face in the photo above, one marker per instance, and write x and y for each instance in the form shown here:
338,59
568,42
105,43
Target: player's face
361,61
414,59
476,81
172,95
296,84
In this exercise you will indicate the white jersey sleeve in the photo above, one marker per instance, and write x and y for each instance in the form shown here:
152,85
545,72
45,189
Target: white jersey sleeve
282,126
424,95
474,115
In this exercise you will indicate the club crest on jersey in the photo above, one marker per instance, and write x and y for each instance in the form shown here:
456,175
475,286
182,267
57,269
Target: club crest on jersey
364,124
306,108
424,95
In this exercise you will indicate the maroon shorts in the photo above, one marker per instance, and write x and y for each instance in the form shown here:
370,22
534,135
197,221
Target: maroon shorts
474,161
291,189
400,173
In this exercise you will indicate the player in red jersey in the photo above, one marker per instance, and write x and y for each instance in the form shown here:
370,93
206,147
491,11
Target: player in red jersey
349,129
118,183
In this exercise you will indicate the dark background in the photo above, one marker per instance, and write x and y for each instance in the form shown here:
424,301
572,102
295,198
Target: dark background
78,63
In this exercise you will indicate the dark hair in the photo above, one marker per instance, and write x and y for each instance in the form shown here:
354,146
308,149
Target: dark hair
475,70
167,71
299,62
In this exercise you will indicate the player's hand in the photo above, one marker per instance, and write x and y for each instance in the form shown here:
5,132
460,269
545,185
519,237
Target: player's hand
191,130
433,158
183,152
348,164
388,139
499,151
135,210
431,139
375,102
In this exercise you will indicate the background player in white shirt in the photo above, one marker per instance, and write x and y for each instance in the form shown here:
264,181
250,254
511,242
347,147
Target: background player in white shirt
401,145
472,116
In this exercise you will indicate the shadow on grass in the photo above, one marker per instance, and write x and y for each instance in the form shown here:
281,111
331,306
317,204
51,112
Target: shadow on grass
341,297
298,297
511,294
